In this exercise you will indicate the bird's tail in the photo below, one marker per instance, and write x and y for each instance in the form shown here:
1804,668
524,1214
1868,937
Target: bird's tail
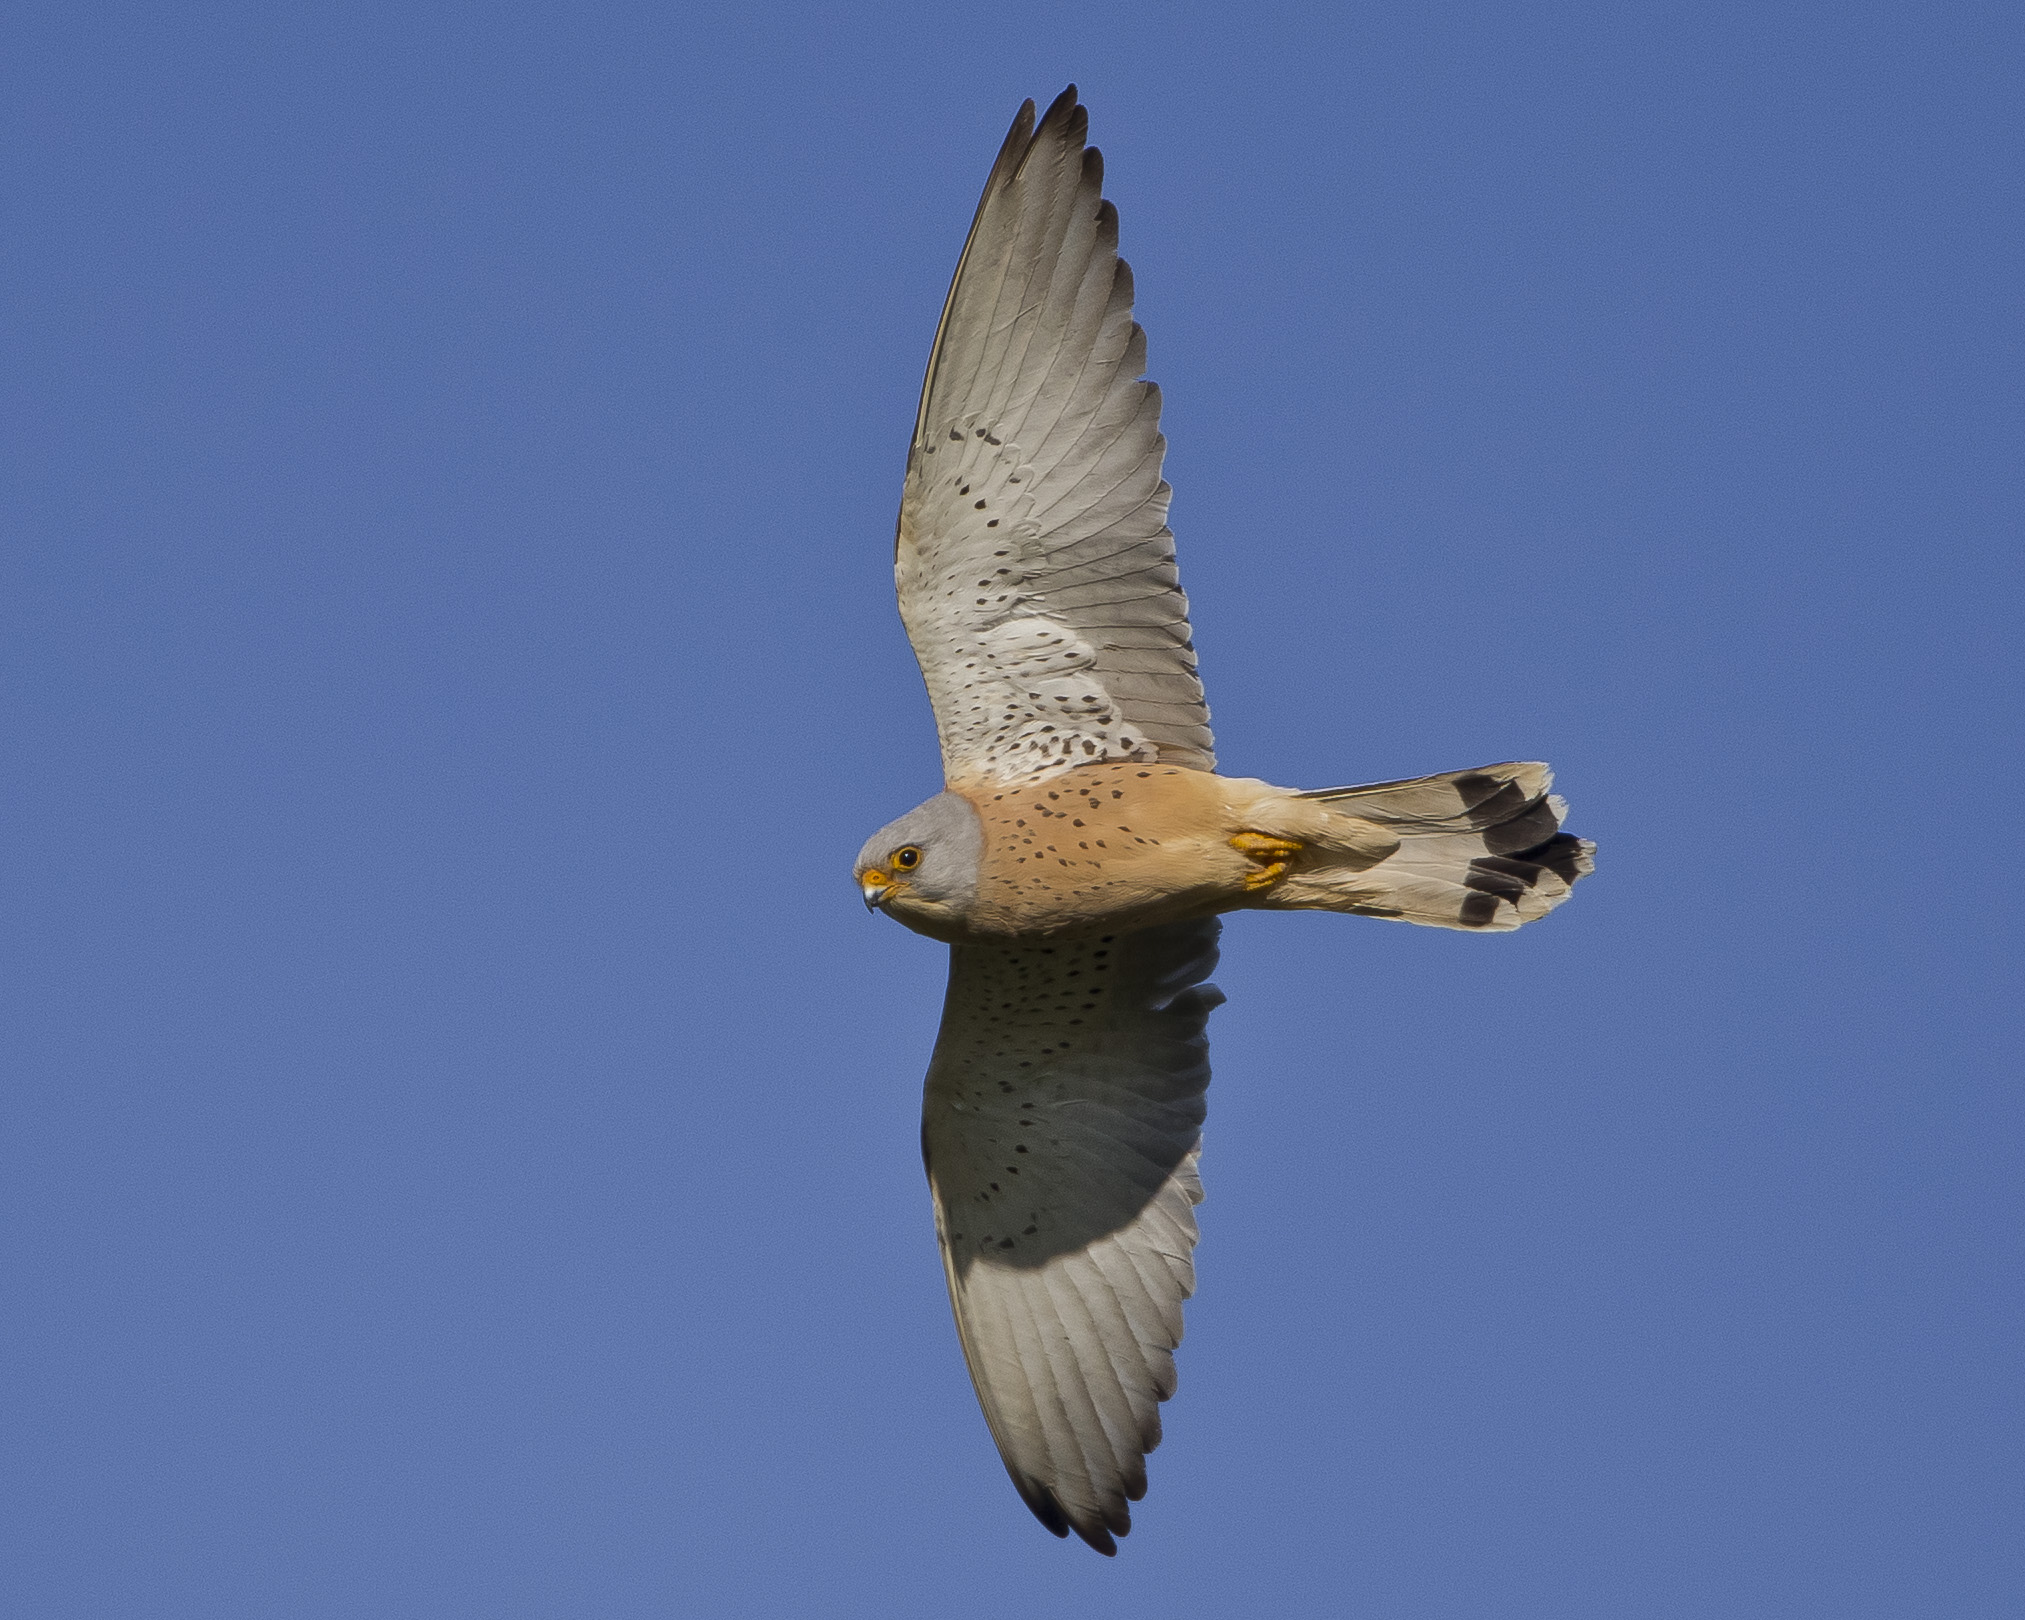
1479,849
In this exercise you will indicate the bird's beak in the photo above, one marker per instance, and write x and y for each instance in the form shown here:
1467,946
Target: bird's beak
877,888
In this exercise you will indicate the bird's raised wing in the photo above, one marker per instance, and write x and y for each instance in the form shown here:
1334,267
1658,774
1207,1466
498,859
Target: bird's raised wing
1034,563
1063,1110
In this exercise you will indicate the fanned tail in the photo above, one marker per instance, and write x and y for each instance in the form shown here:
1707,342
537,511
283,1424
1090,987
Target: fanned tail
1481,850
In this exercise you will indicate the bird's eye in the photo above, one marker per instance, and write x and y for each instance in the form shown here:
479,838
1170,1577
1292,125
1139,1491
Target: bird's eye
907,859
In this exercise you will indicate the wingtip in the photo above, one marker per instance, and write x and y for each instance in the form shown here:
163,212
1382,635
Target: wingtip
1039,1499
1047,1507
1066,119
1018,137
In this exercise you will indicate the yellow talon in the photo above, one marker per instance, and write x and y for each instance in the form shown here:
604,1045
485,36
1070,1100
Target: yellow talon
1272,855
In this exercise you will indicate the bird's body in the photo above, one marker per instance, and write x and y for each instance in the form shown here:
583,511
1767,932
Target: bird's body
1104,848
1084,846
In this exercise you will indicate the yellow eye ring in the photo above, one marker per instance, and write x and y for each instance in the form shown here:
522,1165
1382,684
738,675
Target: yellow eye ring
906,859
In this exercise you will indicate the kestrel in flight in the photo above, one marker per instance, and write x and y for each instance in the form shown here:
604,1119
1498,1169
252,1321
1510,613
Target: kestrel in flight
1078,858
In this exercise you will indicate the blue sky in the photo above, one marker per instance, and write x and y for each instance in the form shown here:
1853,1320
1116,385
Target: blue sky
461,1127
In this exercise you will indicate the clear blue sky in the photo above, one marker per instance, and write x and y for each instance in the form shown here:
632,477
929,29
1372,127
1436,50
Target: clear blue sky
460,1123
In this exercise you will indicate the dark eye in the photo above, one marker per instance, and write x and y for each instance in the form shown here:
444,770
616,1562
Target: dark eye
907,859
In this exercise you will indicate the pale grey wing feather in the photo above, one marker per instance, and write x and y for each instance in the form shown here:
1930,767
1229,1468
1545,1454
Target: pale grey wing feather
1060,1125
1034,564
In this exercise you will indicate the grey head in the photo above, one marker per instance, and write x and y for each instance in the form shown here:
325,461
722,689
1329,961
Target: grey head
922,869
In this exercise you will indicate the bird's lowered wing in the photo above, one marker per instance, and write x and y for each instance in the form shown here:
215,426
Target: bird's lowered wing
1034,563
1060,1125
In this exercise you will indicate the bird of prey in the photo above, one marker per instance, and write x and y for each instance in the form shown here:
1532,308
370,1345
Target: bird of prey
1083,847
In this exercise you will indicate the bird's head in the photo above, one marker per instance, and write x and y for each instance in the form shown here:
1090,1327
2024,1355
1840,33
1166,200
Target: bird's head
922,869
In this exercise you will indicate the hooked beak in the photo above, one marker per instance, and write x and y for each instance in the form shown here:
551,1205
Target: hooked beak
877,889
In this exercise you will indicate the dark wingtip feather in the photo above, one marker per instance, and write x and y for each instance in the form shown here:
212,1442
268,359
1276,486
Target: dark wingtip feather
1041,1503
1011,151
1047,1507
1064,120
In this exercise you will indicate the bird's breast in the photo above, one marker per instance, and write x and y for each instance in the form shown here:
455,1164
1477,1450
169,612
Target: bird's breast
1124,846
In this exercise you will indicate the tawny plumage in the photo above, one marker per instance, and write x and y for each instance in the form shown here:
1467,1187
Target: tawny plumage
1083,848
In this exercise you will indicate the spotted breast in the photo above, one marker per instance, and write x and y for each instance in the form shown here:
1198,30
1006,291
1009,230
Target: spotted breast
1126,846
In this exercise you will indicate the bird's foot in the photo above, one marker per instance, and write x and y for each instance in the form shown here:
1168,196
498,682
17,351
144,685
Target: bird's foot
1271,854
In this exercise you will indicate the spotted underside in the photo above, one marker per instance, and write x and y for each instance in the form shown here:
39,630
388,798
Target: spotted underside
1061,1121
1034,564
1105,845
